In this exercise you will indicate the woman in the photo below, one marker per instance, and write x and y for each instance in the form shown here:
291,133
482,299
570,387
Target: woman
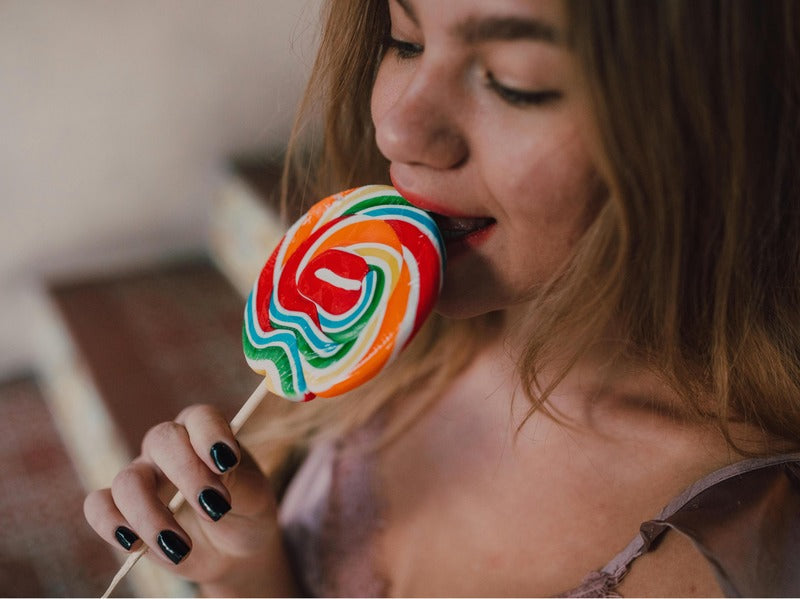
618,330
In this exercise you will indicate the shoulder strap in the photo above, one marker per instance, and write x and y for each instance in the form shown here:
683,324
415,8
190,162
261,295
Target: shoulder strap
744,518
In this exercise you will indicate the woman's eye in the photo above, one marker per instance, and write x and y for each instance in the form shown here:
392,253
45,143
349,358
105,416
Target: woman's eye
402,48
522,98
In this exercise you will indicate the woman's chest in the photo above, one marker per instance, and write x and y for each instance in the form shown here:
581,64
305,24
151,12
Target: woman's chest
468,502
472,506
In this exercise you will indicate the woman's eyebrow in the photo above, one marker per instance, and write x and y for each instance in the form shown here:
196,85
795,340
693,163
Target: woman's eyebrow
486,29
495,28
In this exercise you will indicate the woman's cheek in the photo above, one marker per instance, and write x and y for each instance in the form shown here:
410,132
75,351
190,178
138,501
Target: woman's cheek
553,185
389,84
377,98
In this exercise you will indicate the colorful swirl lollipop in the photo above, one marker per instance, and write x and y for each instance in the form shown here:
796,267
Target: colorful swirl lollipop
345,290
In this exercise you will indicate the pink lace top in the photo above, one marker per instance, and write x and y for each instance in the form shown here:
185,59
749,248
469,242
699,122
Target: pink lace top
744,518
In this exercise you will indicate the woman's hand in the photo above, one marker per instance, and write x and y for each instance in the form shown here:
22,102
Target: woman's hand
225,537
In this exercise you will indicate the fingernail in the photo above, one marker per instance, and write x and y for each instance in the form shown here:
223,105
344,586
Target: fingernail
125,537
172,546
223,456
213,503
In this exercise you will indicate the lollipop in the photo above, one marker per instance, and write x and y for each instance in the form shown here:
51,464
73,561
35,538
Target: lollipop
344,292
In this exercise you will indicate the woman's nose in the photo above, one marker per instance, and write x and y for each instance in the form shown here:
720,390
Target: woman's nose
418,123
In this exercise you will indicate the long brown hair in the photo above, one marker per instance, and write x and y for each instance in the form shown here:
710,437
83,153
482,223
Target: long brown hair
698,114
695,256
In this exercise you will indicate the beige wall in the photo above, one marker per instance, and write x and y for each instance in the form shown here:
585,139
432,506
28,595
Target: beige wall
115,116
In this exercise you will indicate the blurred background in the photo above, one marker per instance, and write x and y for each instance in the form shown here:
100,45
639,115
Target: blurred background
138,150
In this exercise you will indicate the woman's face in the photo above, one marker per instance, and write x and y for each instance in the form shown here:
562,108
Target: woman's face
479,108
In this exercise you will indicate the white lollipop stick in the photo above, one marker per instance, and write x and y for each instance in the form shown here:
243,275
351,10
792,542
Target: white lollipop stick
177,500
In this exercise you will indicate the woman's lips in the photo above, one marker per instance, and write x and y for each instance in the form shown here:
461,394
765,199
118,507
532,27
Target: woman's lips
459,228
458,242
459,232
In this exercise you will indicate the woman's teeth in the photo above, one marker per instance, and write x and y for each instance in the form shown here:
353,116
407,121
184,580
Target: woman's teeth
453,228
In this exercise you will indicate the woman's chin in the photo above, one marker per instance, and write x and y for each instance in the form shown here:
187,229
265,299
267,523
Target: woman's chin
464,304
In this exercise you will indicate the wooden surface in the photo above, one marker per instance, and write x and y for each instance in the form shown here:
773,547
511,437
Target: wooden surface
46,547
158,340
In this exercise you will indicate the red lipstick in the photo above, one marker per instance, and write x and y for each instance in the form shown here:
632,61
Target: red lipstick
460,232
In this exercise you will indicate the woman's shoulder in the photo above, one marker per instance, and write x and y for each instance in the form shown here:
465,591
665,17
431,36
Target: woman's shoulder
736,532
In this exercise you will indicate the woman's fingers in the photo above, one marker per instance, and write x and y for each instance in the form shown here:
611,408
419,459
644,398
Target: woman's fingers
107,521
135,492
199,456
163,534
211,436
168,447
131,512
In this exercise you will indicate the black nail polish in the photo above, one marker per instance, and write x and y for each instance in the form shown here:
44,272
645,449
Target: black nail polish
213,503
125,537
223,456
172,546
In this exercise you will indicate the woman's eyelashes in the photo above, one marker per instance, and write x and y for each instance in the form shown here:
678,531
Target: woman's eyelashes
519,97
403,49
